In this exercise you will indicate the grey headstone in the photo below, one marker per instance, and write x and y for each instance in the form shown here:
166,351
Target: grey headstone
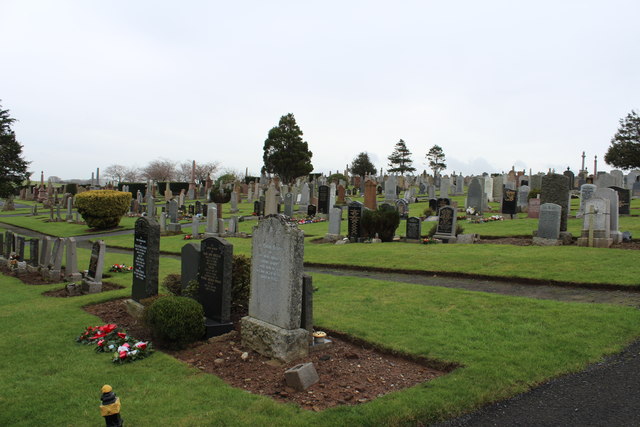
96,262
549,221
190,263
555,189
475,195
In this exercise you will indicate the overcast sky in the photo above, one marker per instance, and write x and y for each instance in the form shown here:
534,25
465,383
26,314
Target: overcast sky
496,83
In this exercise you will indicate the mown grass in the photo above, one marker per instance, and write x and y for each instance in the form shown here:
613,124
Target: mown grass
506,345
40,223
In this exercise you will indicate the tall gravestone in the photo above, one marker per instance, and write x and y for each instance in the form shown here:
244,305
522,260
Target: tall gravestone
288,204
624,200
390,189
354,221
555,190
596,224
323,199
272,327
216,264
92,282
189,264
612,196
586,192
71,273
523,198
335,218
146,257
509,202
475,196
33,253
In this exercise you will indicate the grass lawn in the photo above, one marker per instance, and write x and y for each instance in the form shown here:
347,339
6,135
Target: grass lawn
505,344
61,229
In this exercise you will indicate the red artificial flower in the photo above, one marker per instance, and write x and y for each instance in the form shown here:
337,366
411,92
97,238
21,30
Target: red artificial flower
108,328
126,345
100,343
122,335
141,345
123,354
98,334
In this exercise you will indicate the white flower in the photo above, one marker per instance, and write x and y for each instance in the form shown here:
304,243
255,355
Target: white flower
122,348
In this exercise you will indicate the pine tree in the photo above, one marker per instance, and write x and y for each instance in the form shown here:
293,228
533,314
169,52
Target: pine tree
13,168
436,159
400,159
285,153
624,152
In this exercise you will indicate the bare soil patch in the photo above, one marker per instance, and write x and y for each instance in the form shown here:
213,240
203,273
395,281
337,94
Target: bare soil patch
350,373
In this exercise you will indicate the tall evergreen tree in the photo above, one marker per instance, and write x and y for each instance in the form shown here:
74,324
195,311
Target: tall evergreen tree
624,152
13,168
436,159
400,159
285,153
362,165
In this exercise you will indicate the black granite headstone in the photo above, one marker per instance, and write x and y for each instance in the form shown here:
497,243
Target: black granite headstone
403,208
20,248
323,199
443,201
93,260
433,205
189,263
354,217
509,201
624,200
413,228
311,210
216,264
256,208
446,220
146,257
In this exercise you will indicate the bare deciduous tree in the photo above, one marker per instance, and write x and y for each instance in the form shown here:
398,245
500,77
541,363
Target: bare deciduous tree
160,170
116,172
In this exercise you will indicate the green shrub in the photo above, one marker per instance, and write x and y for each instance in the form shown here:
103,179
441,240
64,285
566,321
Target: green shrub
533,193
427,212
241,284
176,321
102,208
382,221
71,188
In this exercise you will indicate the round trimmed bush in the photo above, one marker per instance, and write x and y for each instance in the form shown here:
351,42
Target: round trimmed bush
102,208
177,321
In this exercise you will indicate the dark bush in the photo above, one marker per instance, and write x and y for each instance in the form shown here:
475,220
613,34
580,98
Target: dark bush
241,284
176,321
71,189
384,221
173,284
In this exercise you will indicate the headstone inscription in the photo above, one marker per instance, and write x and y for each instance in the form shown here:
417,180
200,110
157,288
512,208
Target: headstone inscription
272,327
146,255
586,192
311,210
446,228
216,264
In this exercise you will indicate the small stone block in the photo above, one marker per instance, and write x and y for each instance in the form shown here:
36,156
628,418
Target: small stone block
301,377
134,308
174,227
541,241
91,287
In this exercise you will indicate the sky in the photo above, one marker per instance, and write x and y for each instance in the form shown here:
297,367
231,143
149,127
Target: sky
496,84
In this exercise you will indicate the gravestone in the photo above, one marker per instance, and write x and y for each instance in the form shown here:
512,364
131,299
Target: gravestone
304,194
413,228
311,210
212,221
214,291
71,273
534,208
403,208
509,202
370,194
92,283
442,201
596,224
288,204
335,218
444,187
624,200
33,252
523,197
55,269
498,185
635,189
323,199
354,223
173,211
256,208
270,201
459,185
390,189
549,221
146,257
475,196
555,190
433,205
189,263
272,327
446,228
20,247
586,192
571,176
612,197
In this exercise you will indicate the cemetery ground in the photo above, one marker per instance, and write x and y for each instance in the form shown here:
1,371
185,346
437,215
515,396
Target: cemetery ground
502,345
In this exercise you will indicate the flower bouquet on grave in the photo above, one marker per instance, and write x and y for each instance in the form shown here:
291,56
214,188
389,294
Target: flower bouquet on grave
93,334
131,351
430,241
120,268
188,237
